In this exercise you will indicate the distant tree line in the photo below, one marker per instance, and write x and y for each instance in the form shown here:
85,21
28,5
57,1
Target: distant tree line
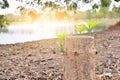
60,5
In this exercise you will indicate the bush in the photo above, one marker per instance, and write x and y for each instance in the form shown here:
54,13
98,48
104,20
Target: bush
3,23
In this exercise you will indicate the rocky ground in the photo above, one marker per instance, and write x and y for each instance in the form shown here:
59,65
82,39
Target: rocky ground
30,61
108,57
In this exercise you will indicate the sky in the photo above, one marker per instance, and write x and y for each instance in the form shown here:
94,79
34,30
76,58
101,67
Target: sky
14,4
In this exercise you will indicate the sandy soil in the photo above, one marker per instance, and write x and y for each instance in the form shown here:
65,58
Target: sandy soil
30,61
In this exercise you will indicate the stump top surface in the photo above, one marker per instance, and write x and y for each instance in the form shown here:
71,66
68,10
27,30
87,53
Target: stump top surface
83,36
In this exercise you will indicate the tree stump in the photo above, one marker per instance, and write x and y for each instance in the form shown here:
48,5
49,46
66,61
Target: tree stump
79,53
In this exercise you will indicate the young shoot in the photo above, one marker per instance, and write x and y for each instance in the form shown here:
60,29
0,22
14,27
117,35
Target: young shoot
81,28
91,25
61,38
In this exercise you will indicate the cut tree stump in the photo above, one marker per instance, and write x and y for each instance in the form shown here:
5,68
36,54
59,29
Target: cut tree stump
79,53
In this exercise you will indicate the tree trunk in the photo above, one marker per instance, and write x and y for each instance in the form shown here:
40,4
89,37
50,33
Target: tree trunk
79,53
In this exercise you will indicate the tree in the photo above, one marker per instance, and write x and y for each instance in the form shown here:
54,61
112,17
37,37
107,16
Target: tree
105,3
3,23
4,4
116,11
95,6
103,11
72,6
87,1
117,0
22,10
34,16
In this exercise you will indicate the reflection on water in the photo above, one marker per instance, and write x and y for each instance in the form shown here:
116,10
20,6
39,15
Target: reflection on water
21,37
31,32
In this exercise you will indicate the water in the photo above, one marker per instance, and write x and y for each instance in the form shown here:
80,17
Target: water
32,32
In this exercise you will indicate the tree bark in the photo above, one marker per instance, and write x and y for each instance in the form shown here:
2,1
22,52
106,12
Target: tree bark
79,53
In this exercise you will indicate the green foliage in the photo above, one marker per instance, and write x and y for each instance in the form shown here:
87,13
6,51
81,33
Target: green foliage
48,4
3,22
95,6
5,4
91,25
99,69
116,9
88,14
72,6
39,2
105,3
103,11
86,1
117,0
61,38
115,12
81,28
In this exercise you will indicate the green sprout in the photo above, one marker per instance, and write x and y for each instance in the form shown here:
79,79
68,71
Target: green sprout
61,38
99,69
81,28
91,25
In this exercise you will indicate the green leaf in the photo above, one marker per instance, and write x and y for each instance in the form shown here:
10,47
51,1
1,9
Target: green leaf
81,28
61,37
91,25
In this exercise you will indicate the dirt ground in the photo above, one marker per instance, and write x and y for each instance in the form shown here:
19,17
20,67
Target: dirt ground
29,61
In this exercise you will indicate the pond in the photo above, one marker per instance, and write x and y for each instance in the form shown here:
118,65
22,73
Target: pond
31,32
